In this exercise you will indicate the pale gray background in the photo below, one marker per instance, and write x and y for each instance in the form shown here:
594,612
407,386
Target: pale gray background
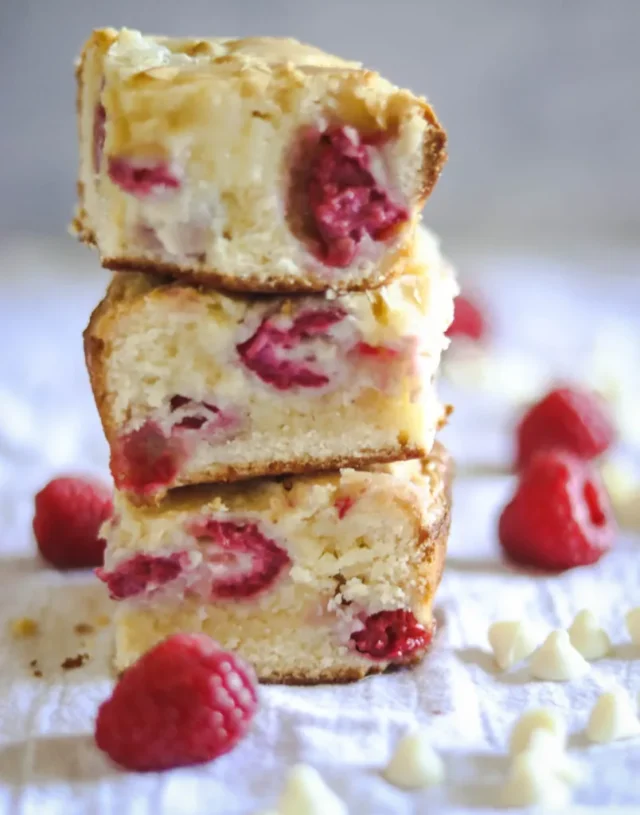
541,100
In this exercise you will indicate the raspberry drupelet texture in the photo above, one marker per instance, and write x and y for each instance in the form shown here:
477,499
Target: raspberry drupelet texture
184,702
139,573
69,512
234,560
560,515
251,562
274,352
393,635
345,200
568,419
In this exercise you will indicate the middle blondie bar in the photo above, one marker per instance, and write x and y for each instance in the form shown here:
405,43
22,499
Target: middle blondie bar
194,385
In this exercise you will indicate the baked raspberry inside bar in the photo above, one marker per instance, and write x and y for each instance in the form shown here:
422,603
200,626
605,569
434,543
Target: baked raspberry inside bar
311,578
259,164
194,385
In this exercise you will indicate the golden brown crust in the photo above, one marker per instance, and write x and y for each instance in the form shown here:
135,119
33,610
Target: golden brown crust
94,359
269,469
343,676
393,266
435,154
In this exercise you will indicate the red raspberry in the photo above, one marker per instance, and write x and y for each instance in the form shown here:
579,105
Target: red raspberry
391,635
243,561
568,419
274,352
140,573
468,320
195,415
142,178
343,504
184,702
69,514
380,353
560,515
145,460
345,200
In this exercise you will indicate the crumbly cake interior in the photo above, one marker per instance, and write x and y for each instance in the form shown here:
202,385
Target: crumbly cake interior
240,386
206,200
350,546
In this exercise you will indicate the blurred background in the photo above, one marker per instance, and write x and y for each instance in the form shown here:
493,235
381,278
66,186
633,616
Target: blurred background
541,101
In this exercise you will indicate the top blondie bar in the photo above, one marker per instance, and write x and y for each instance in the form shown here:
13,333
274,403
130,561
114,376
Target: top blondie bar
256,164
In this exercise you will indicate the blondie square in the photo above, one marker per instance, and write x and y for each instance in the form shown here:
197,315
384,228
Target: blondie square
194,385
321,578
259,164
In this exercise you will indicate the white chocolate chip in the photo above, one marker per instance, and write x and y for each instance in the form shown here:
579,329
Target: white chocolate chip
414,764
587,637
623,485
305,793
532,782
620,481
532,721
557,660
512,641
613,717
633,625
552,751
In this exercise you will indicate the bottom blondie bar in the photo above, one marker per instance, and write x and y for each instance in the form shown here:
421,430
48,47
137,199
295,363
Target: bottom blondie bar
322,578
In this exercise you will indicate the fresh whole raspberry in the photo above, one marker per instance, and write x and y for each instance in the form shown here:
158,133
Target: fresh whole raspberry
391,635
344,199
242,561
142,178
282,355
560,515
184,702
141,573
68,515
468,320
568,419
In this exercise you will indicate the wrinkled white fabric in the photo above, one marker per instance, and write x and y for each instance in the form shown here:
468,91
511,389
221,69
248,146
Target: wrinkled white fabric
48,425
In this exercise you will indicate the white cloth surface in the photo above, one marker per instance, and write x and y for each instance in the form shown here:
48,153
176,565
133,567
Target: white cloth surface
48,425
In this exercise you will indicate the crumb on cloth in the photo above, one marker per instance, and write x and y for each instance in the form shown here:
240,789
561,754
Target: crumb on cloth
35,669
70,663
23,627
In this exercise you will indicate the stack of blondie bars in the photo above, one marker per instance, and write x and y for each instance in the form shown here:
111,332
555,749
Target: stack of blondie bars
263,361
